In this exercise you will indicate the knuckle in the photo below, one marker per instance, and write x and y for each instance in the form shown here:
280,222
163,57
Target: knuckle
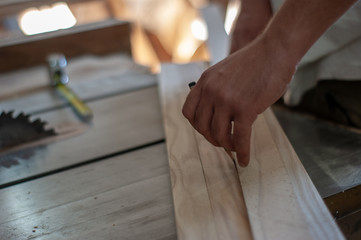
210,90
220,138
187,113
205,75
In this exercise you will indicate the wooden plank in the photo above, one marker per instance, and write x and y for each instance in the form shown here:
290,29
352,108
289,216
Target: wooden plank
124,197
351,226
91,77
120,122
344,203
281,201
76,41
225,192
86,68
192,207
199,177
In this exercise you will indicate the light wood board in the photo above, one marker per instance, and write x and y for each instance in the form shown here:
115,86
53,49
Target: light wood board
281,201
120,122
124,197
206,192
91,78
192,205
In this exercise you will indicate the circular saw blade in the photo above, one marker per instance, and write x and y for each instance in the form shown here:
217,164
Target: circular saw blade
18,130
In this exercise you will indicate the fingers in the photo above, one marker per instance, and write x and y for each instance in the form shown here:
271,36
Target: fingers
221,128
242,141
214,126
199,112
203,119
191,104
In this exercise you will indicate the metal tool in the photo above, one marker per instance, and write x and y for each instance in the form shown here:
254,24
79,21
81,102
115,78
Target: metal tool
18,130
57,70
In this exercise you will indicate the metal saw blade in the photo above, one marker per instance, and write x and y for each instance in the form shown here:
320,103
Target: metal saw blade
19,130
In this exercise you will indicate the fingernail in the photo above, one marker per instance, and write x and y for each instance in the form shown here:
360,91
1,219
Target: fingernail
242,164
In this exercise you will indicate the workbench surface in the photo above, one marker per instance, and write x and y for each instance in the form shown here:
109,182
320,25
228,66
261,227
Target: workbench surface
110,180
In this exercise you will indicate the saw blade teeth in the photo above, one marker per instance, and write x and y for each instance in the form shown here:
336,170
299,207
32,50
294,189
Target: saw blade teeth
20,116
23,117
21,129
51,132
38,122
7,116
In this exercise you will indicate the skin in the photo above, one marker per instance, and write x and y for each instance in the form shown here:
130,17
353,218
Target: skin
252,20
259,69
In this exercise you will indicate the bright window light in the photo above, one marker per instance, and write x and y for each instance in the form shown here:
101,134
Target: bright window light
186,48
231,14
46,19
199,30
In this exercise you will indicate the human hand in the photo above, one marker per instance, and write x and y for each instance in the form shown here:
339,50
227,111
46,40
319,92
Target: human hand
238,89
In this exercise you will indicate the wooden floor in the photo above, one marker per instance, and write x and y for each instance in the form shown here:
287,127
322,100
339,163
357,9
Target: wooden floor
110,181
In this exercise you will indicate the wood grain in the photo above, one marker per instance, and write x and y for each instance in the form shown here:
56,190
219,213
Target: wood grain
192,207
201,175
101,38
124,197
281,201
224,191
120,122
91,78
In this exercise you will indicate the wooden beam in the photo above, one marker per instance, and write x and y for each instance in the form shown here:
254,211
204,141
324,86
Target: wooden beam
192,206
111,36
91,77
207,196
281,201
120,122
124,197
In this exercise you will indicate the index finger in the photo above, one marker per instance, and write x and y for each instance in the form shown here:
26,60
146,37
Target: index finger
242,141
191,103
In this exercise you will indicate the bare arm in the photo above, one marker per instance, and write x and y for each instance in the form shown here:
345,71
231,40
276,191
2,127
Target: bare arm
251,79
298,24
253,18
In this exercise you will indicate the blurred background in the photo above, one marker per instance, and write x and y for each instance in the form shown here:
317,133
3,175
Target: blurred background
159,30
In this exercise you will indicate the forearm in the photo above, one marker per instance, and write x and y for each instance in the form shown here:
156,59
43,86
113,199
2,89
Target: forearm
253,18
299,23
256,12
258,7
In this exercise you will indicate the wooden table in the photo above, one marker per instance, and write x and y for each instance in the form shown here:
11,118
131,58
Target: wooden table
111,181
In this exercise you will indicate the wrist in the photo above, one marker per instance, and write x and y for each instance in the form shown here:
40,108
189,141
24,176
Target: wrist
282,46
278,56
